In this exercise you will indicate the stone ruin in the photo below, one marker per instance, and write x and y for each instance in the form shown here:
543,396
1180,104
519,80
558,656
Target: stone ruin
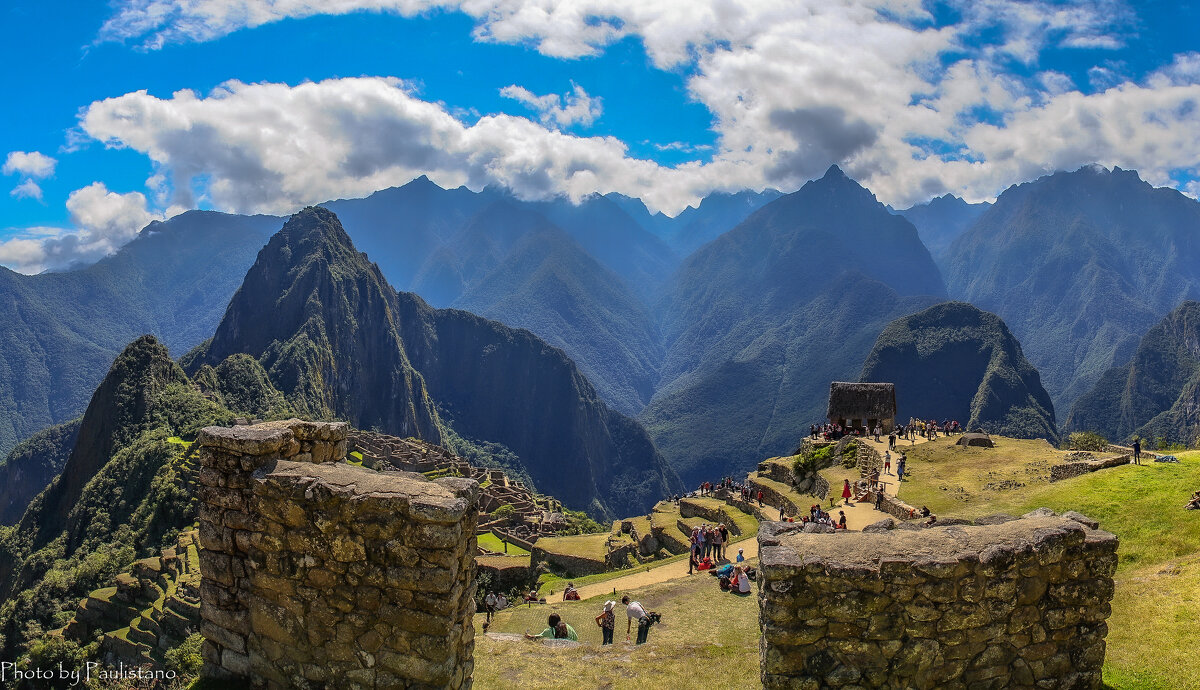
317,574
534,515
1004,603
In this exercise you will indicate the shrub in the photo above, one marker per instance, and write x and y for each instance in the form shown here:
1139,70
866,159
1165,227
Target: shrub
504,512
1088,440
185,659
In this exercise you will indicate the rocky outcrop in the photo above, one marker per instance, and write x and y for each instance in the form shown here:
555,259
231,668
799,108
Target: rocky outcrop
1012,603
954,361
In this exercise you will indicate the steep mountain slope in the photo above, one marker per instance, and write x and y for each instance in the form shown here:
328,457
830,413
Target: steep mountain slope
339,342
31,466
126,489
321,320
717,214
954,361
1156,395
549,285
62,330
1079,265
941,220
757,321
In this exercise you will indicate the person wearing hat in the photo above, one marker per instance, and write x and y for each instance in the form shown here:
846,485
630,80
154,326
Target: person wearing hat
607,620
740,557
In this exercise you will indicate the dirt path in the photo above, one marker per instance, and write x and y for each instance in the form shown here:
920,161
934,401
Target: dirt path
662,573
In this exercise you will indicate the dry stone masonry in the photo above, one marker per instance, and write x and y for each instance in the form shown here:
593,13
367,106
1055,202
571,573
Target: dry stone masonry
1004,603
317,574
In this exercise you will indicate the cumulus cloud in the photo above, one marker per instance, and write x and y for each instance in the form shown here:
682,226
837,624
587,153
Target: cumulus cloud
576,107
905,104
31,166
102,222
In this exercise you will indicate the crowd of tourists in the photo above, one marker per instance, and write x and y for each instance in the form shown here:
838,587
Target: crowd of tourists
915,428
706,546
606,620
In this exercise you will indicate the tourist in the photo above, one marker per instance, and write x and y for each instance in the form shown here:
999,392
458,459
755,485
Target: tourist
845,492
722,541
760,498
556,629
634,611
781,516
742,557
924,511
693,560
532,597
1137,451
931,521
887,460
570,593
879,499
842,519
873,479
501,602
900,468
878,431
892,440
489,605
1193,504
607,620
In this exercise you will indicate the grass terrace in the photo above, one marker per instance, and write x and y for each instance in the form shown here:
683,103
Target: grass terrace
491,542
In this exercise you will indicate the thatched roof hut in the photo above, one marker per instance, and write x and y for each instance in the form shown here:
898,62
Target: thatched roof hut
862,404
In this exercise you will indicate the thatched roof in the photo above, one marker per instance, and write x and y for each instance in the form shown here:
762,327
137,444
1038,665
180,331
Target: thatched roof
862,400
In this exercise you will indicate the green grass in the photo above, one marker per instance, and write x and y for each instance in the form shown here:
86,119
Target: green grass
747,524
592,546
179,441
491,542
705,634
1141,504
1153,634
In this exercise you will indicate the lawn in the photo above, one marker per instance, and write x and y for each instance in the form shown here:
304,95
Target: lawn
592,546
706,635
1142,504
491,542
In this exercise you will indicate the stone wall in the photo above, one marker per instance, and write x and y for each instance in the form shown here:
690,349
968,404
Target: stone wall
688,508
1067,470
1016,603
318,574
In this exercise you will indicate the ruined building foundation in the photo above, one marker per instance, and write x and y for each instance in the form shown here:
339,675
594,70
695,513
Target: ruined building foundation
318,574
1012,603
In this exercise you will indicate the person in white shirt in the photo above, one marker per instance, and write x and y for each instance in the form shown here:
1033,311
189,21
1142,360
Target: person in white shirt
634,611
489,605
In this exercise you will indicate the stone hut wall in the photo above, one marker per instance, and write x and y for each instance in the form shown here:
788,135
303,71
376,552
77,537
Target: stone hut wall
1067,470
316,573
1020,603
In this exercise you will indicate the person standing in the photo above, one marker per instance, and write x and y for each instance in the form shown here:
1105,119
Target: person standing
489,605
845,492
1137,451
607,620
900,468
634,611
724,543
887,461
892,440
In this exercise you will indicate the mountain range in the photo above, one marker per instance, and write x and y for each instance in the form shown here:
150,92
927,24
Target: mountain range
722,352
1079,265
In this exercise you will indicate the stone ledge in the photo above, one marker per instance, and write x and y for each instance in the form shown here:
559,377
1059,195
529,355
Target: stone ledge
269,437
444,500
784,545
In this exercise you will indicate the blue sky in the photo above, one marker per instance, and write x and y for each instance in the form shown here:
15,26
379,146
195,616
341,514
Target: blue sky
667,101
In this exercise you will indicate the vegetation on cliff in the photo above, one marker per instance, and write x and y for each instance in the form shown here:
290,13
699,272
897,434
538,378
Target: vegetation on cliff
954,361
1156,395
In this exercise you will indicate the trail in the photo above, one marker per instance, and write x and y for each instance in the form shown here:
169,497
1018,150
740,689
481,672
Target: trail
662,573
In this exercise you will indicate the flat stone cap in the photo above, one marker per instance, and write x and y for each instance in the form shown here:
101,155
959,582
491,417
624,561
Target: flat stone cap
397,492
784,547
269,437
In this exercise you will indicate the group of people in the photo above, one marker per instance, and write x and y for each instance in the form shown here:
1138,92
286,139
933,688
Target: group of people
493,602
706,545
916,427
818,515
558,629
735,578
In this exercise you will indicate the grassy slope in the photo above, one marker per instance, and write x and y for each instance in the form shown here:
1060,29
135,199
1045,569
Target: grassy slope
491,542
706,633
1153,634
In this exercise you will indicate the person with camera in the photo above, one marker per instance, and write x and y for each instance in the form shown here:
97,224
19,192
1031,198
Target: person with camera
635,611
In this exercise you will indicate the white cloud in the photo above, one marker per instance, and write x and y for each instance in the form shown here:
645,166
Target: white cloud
27,190
910,108
29,164
103,221
555,110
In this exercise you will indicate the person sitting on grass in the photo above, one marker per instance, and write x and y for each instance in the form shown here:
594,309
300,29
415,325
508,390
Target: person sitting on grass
743,586
557,629
1193,504
740,557
841,523
532,597
570,593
